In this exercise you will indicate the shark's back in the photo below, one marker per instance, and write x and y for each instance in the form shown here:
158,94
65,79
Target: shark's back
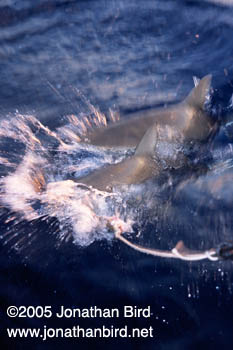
188,116
127,133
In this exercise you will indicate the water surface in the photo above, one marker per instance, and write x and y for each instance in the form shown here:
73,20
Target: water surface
68,64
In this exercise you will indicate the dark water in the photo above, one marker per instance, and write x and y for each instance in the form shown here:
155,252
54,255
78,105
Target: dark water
60,58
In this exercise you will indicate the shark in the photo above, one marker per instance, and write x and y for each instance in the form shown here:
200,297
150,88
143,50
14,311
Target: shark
162,139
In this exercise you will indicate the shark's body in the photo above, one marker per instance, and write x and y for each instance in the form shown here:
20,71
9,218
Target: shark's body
160,137
189,117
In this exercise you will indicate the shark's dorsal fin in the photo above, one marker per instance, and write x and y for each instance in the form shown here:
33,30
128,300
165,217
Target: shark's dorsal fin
156,138
197,96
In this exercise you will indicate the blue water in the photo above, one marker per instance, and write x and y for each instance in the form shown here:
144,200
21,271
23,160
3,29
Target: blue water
58,58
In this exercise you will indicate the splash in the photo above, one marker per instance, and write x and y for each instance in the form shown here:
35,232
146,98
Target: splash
37,182
38,166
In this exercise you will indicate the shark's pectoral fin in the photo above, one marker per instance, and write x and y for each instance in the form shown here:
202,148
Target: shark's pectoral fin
199,93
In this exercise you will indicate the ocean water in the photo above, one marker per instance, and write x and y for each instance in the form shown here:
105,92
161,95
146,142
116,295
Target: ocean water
66,67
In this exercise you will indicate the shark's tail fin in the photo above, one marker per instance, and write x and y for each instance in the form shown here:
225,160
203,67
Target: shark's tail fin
199,93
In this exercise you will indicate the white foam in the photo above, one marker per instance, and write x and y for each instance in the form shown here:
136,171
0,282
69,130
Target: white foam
18,189
82,212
